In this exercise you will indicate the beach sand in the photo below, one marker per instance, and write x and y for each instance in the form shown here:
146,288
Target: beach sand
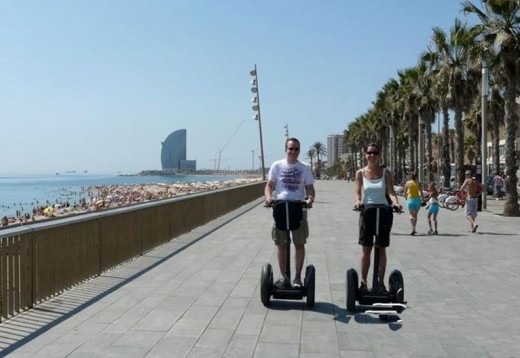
116,196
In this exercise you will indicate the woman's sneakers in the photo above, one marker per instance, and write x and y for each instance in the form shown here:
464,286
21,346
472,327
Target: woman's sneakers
363,288
282,283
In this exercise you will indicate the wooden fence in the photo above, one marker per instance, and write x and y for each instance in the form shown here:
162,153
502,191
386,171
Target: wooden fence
41,260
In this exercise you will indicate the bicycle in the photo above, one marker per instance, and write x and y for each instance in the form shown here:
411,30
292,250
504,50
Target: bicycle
454,201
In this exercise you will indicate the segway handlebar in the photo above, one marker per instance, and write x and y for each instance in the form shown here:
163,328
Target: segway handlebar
395,208
273,203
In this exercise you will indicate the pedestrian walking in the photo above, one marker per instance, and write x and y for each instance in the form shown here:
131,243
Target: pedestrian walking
473,188
414,199
498,182
432,208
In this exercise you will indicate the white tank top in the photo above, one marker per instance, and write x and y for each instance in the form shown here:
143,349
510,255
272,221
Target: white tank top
374,190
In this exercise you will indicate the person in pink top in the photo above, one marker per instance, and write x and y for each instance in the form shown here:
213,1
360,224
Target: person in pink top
498,182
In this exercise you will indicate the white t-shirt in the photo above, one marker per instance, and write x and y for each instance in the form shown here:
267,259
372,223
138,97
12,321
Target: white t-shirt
290,179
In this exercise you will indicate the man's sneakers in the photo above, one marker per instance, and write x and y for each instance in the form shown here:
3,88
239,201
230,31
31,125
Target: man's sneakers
297,283
285,283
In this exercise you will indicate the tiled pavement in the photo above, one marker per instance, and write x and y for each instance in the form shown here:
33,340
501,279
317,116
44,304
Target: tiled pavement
198,296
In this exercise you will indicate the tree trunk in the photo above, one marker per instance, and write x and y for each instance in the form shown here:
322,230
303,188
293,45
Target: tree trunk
446,168
511,205
496,145
459,136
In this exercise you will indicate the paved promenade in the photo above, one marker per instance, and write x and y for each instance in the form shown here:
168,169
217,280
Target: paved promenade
198,296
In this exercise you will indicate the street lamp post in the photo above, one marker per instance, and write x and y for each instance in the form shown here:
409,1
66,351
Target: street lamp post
392,160
420,172
257,116
439,138
253,159
485,86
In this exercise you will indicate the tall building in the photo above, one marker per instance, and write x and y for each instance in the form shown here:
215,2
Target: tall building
335,148
173,153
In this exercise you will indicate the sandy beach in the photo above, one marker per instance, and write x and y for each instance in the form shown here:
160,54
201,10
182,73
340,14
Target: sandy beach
115,196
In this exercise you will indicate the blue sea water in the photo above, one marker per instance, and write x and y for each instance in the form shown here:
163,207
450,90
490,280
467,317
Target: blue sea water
23,192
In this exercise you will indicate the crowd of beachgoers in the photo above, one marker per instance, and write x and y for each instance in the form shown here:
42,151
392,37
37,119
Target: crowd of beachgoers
103,197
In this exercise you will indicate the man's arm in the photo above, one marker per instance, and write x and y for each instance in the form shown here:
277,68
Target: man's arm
310,194
390,187
464,185
268,191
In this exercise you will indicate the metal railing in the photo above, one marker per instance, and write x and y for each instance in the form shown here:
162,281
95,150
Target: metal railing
43,259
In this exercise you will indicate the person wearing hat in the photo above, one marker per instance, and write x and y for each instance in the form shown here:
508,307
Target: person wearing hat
473,189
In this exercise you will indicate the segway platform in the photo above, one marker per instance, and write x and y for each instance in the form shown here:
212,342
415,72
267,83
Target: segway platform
380,303
287,215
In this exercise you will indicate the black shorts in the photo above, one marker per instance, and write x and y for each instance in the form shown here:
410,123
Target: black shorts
368,227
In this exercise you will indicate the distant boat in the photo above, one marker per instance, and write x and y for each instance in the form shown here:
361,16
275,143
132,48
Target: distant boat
85,171
57,173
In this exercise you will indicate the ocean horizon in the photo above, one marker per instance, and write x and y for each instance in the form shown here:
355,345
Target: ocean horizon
23,192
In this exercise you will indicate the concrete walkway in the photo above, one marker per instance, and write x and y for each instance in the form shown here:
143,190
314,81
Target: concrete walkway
198,296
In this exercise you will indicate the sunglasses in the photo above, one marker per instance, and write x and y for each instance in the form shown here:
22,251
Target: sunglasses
372,153
293,149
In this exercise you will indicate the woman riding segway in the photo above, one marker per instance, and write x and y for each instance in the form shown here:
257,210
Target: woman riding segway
374,185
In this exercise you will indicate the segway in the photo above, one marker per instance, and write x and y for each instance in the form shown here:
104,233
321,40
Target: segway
380,303
287,216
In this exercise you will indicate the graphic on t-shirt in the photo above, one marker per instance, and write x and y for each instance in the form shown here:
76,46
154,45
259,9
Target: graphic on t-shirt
291,178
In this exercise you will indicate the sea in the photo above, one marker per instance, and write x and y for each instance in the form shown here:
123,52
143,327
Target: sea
23,192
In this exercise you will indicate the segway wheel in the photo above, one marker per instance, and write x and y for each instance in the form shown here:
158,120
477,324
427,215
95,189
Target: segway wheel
266,283
310,285
352,289
396,285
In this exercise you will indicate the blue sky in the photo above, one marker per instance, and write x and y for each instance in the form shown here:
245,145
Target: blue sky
99,84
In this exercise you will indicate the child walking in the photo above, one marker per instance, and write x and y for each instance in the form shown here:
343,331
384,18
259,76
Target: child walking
433,209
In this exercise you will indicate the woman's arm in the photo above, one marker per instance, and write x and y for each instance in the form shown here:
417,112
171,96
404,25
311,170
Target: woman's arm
358,181
389,178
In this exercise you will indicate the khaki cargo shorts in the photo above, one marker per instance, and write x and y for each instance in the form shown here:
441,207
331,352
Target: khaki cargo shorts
299,235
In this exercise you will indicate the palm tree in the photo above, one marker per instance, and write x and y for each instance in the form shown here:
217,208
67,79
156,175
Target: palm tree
320,151
440,83
386,106
496,120
408,98
470,146
311,154
427,106
455,54
499,29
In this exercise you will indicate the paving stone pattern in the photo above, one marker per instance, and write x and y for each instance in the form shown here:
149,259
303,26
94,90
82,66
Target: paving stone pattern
199,295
